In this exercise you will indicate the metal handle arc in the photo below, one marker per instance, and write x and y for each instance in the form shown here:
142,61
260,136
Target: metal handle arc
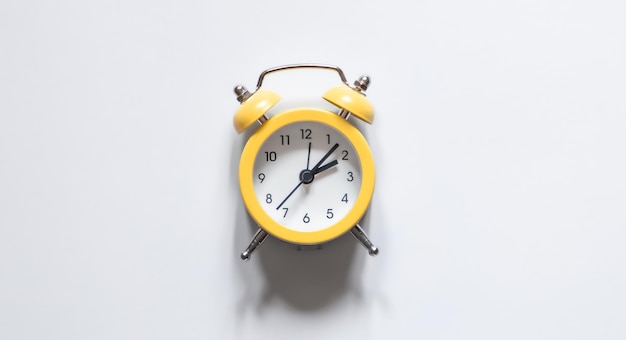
296,66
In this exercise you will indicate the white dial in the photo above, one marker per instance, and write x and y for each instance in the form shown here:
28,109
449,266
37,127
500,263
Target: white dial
307,176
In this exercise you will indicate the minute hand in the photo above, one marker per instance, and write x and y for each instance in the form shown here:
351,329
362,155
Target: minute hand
317,166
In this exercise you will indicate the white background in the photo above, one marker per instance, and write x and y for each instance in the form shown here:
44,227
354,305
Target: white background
499,142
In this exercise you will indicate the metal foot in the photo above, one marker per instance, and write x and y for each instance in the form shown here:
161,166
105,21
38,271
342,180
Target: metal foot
360,236
257,240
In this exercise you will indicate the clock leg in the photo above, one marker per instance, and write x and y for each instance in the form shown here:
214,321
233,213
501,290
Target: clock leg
360,236
258,238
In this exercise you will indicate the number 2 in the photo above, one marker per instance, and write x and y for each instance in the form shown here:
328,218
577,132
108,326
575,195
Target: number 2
345,155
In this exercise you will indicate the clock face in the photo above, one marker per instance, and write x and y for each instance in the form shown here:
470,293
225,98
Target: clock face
307,176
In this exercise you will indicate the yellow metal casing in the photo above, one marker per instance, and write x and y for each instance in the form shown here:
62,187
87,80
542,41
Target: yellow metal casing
246,179
347,98
254,108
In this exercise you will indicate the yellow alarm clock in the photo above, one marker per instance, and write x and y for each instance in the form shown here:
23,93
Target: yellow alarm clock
306,175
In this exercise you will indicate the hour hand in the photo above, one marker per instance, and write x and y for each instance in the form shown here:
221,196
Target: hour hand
325,167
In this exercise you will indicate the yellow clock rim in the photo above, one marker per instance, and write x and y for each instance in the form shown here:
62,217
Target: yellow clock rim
246,168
